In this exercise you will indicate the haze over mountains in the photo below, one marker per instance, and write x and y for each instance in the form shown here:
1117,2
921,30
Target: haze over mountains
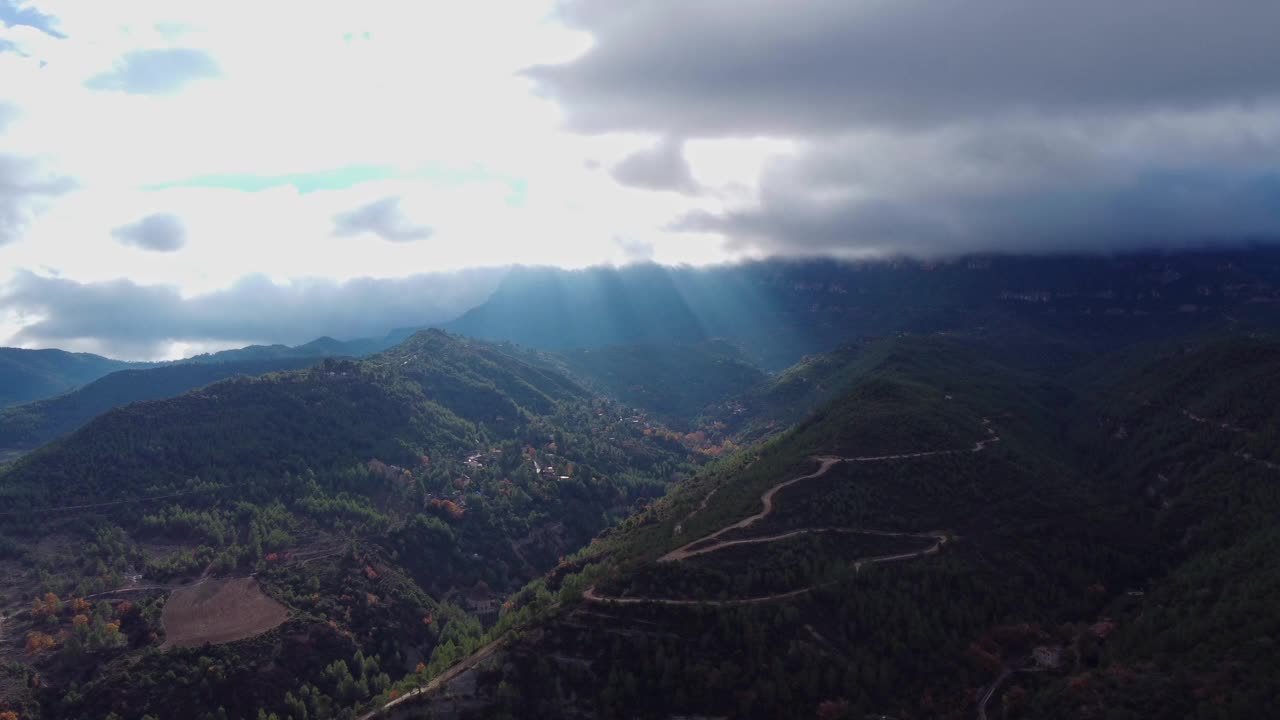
769,313
781,310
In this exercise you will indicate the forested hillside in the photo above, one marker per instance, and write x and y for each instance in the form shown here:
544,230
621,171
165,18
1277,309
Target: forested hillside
1192,437
30,425
678,383
381,509
919,526
953,536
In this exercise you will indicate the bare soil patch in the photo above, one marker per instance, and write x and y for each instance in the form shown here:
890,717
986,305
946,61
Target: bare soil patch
219,611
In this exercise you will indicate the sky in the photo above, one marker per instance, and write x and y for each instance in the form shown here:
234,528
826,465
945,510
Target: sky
180,176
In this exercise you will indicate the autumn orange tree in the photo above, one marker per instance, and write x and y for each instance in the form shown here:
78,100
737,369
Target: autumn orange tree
46,606
38,642
450,508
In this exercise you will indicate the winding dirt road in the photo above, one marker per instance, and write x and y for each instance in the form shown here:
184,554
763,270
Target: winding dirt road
809,531
711,543
766,499
591,595
826,463
1005,672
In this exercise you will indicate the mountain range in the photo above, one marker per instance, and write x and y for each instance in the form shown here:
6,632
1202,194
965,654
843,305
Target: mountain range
998,487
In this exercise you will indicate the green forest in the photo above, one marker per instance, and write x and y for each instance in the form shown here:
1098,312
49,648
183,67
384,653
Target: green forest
951,528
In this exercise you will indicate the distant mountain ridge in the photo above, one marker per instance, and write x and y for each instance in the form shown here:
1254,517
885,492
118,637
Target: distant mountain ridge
779,310
27,375
31,375
30,425
320,347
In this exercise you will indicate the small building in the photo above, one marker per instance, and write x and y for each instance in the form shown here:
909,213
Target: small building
482,602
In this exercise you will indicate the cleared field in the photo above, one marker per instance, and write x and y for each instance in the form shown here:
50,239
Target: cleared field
219,611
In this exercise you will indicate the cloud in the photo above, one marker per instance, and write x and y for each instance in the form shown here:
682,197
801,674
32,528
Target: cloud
1018,186
383,218
24,186
662,167
635,250
127,319
160,71
946,126
760,67
161,232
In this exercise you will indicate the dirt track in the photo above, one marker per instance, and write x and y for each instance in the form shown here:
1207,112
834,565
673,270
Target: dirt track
591,595
826,462
219,611
684,551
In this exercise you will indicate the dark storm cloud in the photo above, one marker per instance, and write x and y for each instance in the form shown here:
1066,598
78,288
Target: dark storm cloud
661,167
940,126
161,232
763,67
128,319
162,71
1158,211
1023,187
383,218
24,183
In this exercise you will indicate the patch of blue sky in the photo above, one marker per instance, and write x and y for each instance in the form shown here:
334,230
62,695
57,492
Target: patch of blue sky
335,179
351,175
13,14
